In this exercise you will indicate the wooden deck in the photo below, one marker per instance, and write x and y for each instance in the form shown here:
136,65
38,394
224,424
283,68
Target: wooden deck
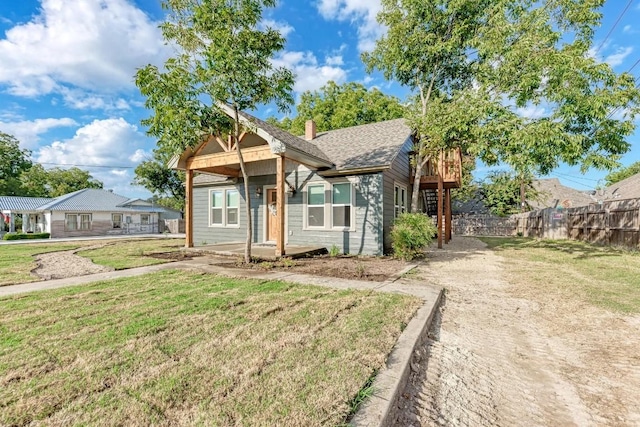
450,165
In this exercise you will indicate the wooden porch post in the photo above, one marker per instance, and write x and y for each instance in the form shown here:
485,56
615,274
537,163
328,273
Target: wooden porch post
440,189
447,219
188,209
280,182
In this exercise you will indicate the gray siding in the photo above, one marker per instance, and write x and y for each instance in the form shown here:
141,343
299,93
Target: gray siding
366,238
397,173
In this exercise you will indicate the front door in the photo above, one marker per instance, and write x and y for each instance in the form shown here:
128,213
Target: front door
272,223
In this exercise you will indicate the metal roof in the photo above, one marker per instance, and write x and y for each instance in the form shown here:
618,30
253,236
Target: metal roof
15,203
86,200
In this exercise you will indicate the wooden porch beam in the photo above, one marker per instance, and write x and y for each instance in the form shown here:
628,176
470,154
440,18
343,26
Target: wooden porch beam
242,135
221,143
188,210
223,170
252,154
280,183
447,215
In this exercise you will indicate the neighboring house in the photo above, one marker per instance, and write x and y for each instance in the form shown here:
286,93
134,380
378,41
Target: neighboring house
628,188
87,212
342,187
552,194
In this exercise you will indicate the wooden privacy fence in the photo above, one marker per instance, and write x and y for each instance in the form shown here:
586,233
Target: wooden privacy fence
612,223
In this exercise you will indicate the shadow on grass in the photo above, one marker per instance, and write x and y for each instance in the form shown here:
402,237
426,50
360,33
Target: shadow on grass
579,249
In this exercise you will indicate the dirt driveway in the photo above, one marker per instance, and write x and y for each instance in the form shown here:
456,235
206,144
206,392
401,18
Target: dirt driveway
508,355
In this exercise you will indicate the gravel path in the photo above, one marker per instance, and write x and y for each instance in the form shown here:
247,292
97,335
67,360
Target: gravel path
500,354
60,265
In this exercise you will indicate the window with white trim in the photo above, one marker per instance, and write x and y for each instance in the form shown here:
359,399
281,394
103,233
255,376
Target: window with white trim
315,206
144,219
71,222
233,198
400,199
85,221
341,205
225,208
116,220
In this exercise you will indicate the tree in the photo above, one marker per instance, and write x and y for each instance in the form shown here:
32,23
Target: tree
622,173
501,192
474,65
156,177
222,58
338,106
40,182
13,161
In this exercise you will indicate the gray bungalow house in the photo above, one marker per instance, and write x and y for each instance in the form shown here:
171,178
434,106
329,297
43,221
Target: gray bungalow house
88,212
342,187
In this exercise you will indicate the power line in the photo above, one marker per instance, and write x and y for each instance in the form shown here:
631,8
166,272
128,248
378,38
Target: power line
576,177
87,166
614,26
570,180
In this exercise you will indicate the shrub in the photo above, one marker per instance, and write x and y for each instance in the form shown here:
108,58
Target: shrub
411,234
25,236
334,251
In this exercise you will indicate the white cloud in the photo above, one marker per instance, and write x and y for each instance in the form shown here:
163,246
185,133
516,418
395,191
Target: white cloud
310,75
139,156
334,60
284,28
28,131
111,146
83,100
619,56
86,44
362,12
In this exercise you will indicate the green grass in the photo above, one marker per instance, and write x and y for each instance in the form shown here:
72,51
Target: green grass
602,276
132,253
183,348
17,261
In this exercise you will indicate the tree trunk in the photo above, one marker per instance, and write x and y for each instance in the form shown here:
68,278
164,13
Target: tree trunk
415,193
247,194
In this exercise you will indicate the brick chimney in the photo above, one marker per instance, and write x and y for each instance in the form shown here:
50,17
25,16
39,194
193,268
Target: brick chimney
309,130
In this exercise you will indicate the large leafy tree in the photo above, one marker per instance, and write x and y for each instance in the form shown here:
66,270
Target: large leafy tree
501,192
167,185
475,65
222,57
338,106
40,182
13,161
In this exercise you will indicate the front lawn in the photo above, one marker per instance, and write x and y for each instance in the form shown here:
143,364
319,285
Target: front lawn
132,253
185,348
603,276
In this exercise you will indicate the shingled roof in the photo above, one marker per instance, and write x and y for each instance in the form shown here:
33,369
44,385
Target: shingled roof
553,193
365,146
628,188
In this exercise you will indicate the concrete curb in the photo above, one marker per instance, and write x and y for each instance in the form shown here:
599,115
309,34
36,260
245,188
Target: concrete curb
380,409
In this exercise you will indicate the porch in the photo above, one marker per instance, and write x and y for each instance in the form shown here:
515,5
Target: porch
263,251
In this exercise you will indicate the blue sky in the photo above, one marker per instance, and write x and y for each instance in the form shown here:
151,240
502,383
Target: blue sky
67,66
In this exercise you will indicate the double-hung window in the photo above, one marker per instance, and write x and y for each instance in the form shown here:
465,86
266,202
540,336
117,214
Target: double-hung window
341,205
116,220
85,221
333,211
71,222
225,208
315,206
400,199
144,219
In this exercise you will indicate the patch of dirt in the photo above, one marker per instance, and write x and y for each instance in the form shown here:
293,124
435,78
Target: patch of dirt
60,265
503,354
376,269
175,256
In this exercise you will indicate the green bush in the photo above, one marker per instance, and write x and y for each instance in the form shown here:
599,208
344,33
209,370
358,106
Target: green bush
411,234
25,236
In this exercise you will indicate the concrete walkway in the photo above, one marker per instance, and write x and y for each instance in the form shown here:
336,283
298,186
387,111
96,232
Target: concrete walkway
379,410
